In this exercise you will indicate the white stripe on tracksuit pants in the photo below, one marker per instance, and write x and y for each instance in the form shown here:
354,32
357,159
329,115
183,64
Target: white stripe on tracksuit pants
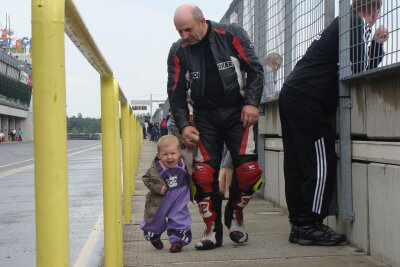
321,175
309,159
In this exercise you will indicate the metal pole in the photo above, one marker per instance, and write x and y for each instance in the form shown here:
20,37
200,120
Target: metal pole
260,50
109,143
288,59
133,147
127,161
346,207
151,107
50,134
118,183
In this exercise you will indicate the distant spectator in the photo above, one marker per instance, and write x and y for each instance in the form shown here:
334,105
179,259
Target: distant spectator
144,131
273,62
163,127
11,134
20,133
1,136
150,131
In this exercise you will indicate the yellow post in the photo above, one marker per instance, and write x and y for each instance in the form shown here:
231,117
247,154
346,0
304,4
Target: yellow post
118,183
50,134
133,153
110,142
127,161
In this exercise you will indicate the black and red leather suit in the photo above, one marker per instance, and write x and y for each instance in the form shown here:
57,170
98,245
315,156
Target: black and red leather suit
237,76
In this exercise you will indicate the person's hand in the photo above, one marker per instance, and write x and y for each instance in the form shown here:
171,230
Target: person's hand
190,136
163,190
381,35
249,115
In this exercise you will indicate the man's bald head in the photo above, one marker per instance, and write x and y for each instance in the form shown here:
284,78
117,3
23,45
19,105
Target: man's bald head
188,11
190,23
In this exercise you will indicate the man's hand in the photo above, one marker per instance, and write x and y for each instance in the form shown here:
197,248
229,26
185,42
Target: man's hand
381,35
249,115
190,136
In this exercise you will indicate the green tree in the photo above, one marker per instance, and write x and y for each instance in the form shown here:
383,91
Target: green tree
83,125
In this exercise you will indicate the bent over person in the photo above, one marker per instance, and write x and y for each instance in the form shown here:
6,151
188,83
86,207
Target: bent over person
307,102
215,66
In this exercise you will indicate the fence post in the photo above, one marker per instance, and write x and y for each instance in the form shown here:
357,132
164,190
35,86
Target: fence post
288,57
50,134
127,161
259,32
110,144
134,145
118,183
346,194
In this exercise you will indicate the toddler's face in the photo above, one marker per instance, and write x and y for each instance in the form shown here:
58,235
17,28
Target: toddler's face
169,155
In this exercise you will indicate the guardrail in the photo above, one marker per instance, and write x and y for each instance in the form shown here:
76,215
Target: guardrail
83,136
49,21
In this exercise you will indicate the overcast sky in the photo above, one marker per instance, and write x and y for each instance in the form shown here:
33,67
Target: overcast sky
134,37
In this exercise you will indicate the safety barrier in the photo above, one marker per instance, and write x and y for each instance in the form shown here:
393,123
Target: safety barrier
49,21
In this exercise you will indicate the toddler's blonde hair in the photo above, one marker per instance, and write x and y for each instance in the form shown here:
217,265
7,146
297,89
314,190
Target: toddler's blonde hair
167,140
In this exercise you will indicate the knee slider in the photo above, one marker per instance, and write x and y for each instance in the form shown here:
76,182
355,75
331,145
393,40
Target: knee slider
203,176
249,176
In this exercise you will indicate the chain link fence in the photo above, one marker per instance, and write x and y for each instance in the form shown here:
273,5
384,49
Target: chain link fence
282,30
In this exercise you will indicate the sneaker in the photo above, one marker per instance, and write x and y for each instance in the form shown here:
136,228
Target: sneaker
320,235
158,244
175,247
294,234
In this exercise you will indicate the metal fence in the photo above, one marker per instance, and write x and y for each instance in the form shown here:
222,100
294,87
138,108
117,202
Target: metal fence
282,30
368,46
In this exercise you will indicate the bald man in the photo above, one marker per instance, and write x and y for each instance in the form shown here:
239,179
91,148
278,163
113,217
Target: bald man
214,68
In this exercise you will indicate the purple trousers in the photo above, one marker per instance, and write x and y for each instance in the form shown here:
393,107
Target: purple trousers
173,215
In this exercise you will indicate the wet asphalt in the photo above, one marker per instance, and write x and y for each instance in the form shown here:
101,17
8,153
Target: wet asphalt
17,202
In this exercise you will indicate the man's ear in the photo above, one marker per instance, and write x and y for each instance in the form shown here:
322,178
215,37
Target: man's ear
202,20
376,14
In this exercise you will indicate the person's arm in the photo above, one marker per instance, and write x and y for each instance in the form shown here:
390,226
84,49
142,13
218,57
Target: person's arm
176,88
251,65
153,182
357,45
254,77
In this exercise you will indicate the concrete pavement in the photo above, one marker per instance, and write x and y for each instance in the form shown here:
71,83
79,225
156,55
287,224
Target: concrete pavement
268,230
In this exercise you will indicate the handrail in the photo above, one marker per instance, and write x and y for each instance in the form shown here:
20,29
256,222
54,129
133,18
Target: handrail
50,19
77,31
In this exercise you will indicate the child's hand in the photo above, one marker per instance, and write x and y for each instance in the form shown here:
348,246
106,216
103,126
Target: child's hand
163,190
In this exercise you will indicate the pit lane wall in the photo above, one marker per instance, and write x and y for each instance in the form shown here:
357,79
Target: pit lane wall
375,133
366,206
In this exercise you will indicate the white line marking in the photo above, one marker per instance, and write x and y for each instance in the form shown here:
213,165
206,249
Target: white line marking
11,164
7,173
90,243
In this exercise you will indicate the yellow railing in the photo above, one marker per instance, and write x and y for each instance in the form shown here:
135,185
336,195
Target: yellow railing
49,21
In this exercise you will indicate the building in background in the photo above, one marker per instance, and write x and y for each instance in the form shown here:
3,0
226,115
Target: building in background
15,96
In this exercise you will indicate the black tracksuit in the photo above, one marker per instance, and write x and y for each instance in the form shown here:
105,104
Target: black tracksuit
307,104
